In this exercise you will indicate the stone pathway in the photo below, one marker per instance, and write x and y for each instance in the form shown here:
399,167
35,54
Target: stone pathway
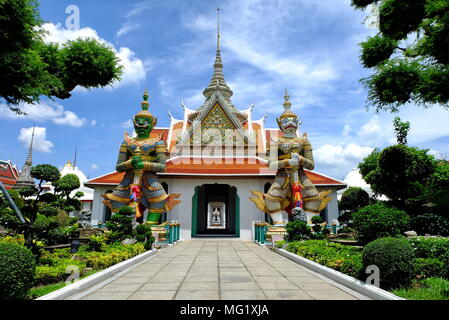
218,270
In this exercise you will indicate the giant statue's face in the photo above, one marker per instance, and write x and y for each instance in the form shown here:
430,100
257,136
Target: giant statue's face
143,126
289,124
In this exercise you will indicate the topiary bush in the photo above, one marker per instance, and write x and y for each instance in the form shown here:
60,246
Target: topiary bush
17,266
120,227
298,230
395,259
317,220
377,221
144,234
430,224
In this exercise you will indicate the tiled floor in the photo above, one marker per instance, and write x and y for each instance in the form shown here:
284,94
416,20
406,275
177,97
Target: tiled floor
218,270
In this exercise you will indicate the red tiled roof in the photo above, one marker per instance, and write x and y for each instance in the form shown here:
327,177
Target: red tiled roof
211,166
8,174
219,167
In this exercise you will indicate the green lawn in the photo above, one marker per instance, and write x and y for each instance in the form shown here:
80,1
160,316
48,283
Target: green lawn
426,289
40,291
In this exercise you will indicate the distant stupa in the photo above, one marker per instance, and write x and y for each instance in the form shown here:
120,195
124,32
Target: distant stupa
25,179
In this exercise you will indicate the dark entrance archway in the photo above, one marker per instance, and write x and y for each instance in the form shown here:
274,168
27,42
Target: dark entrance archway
215,211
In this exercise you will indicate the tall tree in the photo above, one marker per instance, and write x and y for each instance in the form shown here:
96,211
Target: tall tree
31,68
409,55
401,173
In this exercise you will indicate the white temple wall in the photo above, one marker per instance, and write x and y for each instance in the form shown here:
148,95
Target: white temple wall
186,187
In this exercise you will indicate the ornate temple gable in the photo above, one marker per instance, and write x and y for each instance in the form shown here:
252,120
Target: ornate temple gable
207,118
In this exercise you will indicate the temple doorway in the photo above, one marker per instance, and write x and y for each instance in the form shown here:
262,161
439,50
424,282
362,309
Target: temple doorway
215,211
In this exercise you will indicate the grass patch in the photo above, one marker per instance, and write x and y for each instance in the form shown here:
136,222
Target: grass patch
425,289
40,291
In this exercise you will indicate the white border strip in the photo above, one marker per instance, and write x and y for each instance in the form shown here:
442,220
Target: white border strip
348,281
96,278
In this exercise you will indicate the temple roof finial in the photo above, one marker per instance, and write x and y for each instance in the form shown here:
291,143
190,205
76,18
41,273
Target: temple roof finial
145,104
287,106
218,82
218,28
287,103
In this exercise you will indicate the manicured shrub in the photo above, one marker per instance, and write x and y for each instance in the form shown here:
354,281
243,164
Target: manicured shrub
377,221
55,270
97,242
430,247
120,227
126,211
430,224
430,267
297,230
17,266
49,211
62,218
342,258
395,259
317,220
144,234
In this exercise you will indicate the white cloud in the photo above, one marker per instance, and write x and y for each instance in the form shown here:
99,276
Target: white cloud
341,154
40,142
337,160
93,122
126,28
138,8
134,70
93,166
42,112
355,179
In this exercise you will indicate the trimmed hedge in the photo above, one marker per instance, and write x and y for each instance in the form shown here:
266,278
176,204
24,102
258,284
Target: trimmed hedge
430,267
395,259
52,265
339,257
298,230
430,247
377,221
17,266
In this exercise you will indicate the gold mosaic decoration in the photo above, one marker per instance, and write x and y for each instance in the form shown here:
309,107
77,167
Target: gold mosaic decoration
215,119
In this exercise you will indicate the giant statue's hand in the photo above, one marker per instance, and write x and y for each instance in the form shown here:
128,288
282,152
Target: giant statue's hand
294,161
137,162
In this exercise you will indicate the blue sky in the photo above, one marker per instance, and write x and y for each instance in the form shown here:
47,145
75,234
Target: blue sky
168,46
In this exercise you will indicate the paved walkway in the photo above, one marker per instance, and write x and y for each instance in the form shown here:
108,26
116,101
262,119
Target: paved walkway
218,270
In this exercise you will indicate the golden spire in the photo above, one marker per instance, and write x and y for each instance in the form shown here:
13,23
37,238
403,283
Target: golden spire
218,82
287,105
145,105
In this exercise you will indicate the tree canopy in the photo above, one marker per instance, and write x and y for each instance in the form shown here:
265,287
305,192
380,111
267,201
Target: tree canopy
409,55
352,199
401,173
31,68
